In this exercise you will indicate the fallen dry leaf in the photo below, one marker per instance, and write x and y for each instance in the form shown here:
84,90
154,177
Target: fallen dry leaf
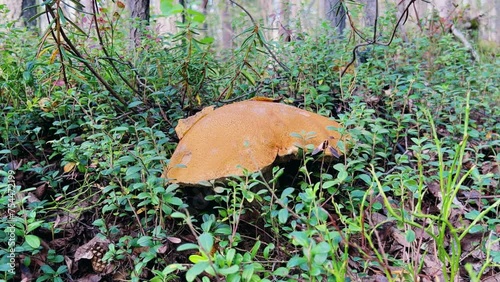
493,278
90,278
69,167
433,269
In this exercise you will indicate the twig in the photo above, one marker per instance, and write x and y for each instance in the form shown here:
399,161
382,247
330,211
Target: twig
58,42
263,43
105,50
77,53
402,20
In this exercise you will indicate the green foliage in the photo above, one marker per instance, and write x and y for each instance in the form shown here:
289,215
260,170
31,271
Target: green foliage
422,117
450,179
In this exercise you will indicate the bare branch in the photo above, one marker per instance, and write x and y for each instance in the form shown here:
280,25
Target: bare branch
87,64
263,43
402,20
105,50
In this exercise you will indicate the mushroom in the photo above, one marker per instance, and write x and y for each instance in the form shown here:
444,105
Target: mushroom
219,143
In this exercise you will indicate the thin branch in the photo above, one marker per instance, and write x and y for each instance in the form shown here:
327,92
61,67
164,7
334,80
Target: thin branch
58,42
105,50
263,43
87,64
402,20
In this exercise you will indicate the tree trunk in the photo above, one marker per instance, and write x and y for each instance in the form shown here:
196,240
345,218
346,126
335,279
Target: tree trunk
183,4
28,13
369,12
490,28
285,14
227,29
15,11
139,10
204,4
164,24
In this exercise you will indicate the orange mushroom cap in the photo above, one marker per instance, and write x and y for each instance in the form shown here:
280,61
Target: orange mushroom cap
250,135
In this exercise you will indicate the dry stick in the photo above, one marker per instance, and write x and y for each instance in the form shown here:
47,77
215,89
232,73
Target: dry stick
136,217
57,39
89,67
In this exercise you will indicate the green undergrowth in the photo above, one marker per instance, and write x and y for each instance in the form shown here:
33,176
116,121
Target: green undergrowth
420,172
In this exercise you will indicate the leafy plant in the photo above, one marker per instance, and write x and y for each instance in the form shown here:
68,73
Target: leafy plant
88,127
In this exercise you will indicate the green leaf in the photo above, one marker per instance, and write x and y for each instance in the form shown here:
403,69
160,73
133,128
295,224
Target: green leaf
410,236
320,259
33,241
476,229
472,214
195,16
196,270
366,178
62,269
132,170
321,248
173,267
314,271
206,40
229,270
496,256
299,238
197,258
187,246
377,206
34,225
99,223
287,192
145,241
47,269
342,172
296,261
119,129
134,104
411,184
283,216
230,256
77,28
281,271
5,267
206,242
267,249
248,76
248,271
358,194
178,215
330,183
255,248
168,8
62,18
173,201
324,88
